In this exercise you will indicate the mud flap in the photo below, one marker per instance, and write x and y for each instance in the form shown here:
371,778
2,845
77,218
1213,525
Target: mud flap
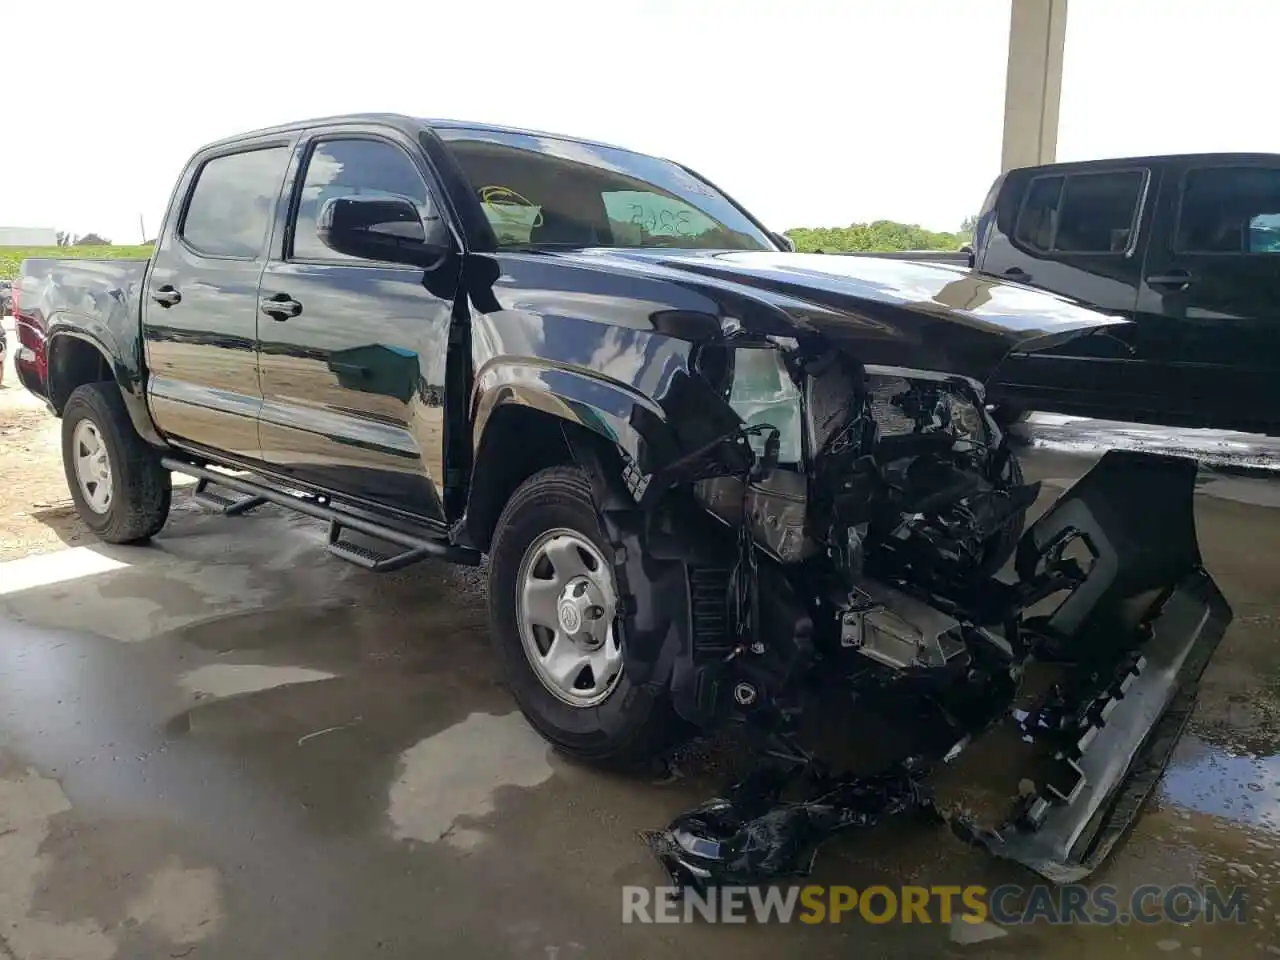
1139,629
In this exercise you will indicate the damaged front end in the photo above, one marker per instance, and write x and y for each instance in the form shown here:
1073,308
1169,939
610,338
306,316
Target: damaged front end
862,516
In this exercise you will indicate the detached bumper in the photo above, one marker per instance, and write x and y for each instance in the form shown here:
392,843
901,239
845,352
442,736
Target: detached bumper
1126,753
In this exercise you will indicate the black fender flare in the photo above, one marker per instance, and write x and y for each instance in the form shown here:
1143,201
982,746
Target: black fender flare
99,337
575,395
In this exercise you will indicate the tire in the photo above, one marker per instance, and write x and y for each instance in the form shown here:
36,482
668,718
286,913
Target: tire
138,487
630,723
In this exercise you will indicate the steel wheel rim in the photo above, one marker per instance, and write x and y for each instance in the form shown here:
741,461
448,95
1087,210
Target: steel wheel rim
566,612
92,466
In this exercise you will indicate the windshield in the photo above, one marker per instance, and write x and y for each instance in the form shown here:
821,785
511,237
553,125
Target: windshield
543,191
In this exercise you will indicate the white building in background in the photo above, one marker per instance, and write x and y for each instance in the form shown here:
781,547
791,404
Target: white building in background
28,237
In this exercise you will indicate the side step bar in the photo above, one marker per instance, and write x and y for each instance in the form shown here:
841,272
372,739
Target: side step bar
414,548
362,556
224,505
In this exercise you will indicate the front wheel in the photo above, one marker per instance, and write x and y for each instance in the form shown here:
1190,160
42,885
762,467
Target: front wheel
120,490
556,623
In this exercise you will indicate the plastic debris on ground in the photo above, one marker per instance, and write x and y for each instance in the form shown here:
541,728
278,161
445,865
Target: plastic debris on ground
754,835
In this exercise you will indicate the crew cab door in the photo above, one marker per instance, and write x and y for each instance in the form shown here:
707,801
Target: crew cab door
1209,303
1074,231
200,303
352,352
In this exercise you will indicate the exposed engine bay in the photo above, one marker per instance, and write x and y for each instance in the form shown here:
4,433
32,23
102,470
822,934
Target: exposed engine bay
862,516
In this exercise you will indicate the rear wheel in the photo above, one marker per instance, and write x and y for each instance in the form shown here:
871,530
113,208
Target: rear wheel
553,604
120,490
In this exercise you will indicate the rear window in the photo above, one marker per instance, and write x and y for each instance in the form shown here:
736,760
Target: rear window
232,203
1230,210
1081,213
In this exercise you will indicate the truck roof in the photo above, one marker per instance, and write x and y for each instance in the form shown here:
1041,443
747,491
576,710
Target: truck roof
1215,158
404,122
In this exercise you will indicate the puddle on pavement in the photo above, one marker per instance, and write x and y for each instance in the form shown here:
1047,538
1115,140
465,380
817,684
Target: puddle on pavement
447,782
1208,778
232,679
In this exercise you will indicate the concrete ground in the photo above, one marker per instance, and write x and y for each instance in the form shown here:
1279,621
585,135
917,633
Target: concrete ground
228,744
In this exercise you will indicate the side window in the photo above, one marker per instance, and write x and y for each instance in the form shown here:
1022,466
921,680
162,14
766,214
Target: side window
1081,213
1098,213
1039,214
1230,210
345,168
232,203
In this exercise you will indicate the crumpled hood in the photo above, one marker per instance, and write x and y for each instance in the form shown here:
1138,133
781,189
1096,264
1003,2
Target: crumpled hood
904,313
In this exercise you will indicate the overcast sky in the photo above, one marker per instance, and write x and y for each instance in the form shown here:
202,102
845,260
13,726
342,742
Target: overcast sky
811,112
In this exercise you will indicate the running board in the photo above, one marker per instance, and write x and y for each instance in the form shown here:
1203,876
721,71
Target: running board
370,559
227,506
254,494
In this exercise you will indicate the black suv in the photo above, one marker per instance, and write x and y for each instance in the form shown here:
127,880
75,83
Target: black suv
1187,247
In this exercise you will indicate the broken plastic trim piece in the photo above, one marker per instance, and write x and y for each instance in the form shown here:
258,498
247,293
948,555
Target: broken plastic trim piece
1135,512
754,836
1124,758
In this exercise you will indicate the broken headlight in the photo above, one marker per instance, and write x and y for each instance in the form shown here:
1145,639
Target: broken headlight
772,502
761,391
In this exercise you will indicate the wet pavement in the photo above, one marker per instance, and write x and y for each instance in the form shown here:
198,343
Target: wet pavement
229,744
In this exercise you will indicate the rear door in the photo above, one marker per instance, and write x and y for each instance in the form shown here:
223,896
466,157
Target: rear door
200,305
352,352
1210,299
1074,231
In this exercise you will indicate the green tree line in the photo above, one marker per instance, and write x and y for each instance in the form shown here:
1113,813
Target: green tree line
879,236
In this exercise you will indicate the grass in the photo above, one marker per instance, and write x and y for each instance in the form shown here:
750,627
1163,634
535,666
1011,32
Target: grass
11,257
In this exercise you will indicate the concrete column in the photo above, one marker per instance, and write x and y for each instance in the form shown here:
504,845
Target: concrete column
1033,82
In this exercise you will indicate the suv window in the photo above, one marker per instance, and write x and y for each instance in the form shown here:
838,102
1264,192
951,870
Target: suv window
1039,214
346,168
1081,213
1230,210
232,202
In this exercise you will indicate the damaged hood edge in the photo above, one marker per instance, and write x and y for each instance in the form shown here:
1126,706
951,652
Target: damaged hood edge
905,313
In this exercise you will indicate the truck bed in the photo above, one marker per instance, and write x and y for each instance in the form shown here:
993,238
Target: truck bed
98,298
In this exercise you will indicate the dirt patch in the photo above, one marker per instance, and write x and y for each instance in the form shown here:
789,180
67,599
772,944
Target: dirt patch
36,513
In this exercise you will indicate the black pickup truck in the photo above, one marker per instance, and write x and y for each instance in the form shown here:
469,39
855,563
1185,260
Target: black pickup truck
711,476
1186,247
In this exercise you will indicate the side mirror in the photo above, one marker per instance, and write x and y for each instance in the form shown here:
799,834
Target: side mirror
388,229
785,242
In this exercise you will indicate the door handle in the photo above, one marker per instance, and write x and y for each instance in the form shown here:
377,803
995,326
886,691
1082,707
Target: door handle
1017,274
167,296
280,306
1175,280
